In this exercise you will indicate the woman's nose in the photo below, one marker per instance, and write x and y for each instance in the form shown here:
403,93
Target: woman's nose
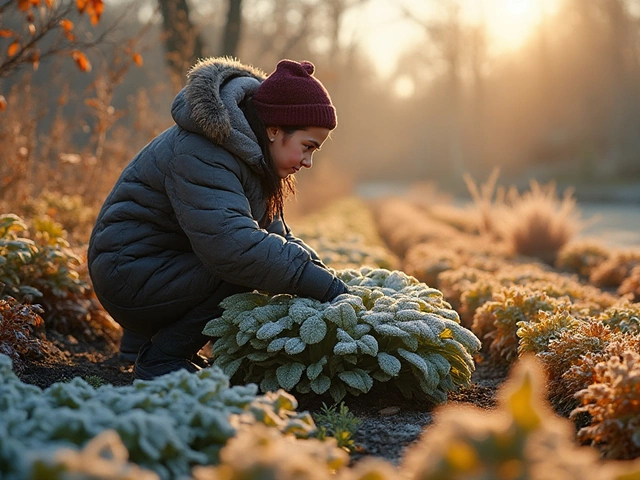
307,162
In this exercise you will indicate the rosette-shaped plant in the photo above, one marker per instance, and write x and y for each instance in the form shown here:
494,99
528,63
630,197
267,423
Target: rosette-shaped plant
388,328
613,401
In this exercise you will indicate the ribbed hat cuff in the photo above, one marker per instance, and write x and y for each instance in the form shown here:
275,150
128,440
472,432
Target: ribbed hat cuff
312,115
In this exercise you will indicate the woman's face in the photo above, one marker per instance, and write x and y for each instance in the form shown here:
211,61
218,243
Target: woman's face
292,152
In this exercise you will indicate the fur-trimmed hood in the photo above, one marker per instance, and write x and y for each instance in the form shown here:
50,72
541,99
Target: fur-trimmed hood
208,105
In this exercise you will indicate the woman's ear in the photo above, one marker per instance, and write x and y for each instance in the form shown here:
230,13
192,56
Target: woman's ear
272,132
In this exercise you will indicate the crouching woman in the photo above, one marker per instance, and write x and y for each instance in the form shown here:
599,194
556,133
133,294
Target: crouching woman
198,213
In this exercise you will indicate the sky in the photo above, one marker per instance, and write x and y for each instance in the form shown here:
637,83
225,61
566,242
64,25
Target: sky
384,32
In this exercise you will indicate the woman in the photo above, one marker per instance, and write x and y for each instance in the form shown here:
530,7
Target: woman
198,214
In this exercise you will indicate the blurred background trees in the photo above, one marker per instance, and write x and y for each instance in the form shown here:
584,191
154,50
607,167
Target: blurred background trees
560,102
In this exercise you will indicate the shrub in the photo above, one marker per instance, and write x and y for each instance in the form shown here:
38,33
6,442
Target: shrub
522,439
537,223
570,348
613,401
402,224
612,272
18,324
496,322
42,267
581,257
623,317
389,328
631,284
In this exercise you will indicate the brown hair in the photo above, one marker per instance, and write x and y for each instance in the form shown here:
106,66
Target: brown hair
276,189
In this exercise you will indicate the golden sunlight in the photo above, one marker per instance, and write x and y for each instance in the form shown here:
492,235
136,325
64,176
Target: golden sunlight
511,22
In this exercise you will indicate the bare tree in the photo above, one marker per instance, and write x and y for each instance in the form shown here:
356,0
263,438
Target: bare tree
232,29
446,35
182,40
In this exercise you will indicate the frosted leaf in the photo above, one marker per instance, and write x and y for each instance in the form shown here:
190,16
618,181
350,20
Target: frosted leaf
390,330
249,325
259,356
299,312
321,384
368,345
358,379
353,300
269,330
430,374
343,336
408,315
315,369
216,327
243,337
313,330
411,342
360,330
421,330
396,281
294,346
376,318
389,364
465,337
288,375
277,344
345,348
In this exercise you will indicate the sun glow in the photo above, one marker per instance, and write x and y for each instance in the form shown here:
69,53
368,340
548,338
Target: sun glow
511,22
384,32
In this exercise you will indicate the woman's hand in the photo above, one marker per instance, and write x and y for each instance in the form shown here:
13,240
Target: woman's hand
338,287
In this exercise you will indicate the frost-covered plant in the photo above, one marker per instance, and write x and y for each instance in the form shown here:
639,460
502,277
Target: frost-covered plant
581,257
623,317
535,336
496,322
613,402
388,328
262,453
104,457
537,223
631,284
18,324
402,224
613,271
168,424
569,350
522,439
426,262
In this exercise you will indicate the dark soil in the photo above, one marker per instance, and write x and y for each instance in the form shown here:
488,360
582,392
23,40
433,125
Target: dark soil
388,421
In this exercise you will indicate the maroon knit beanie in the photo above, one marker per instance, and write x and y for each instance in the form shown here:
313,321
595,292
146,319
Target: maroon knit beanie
291,96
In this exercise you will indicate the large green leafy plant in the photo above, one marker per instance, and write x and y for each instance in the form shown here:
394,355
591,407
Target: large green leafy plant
388,328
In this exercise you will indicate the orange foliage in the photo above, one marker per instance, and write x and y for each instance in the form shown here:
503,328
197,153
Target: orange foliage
81,61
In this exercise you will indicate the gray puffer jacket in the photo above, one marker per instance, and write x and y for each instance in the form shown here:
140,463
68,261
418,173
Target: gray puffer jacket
188,213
